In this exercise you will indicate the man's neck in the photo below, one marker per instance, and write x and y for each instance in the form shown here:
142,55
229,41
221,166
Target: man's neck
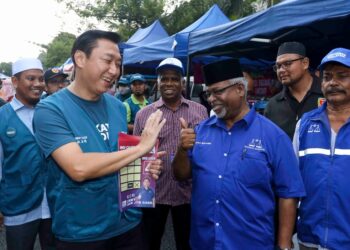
300,89
173,105
338,115
140,98
239,116
82,92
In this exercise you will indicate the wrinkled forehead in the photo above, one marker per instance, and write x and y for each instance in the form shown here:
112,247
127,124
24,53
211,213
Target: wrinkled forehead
218,84
287,57
170,72
335,67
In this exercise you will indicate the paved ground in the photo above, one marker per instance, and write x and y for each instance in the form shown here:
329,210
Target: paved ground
168,242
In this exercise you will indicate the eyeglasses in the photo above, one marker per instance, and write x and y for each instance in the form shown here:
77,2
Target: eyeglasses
217,92
286,64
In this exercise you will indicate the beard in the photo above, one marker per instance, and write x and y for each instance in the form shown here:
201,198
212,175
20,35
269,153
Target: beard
222,113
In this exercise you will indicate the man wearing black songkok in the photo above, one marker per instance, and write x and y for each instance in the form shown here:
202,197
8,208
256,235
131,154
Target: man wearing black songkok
238,161
301,91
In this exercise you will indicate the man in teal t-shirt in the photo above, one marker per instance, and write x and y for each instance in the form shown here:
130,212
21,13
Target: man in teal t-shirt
79,138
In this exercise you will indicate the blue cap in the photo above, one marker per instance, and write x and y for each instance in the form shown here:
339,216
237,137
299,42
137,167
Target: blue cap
339,55
137,77
123,80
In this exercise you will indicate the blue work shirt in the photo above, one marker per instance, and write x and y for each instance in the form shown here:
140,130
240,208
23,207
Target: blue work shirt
237,173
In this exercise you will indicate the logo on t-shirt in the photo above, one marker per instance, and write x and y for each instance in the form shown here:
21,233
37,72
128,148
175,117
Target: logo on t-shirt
103,129
81,139
255,144
314,128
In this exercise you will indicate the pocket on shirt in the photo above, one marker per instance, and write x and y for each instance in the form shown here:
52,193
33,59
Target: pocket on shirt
83,211
253,168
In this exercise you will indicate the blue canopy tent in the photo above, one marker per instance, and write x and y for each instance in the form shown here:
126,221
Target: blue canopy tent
173,46
319,24
144,36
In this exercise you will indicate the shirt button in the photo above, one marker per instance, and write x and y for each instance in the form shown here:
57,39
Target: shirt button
229,133
217,201
217,224
220,176
225,154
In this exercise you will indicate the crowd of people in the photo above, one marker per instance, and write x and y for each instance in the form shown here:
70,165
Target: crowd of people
236,180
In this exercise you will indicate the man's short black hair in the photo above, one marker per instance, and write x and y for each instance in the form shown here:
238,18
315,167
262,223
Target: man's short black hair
88,40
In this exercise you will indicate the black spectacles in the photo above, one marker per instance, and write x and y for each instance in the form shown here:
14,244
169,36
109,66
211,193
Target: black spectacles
217,92
286,64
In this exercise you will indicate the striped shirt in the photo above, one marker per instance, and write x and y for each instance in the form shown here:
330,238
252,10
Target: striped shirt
168,190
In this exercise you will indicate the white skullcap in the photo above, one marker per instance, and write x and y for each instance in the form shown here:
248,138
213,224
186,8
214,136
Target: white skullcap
26,64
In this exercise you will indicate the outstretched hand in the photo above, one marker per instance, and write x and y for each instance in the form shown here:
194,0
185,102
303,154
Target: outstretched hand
187,135
151,130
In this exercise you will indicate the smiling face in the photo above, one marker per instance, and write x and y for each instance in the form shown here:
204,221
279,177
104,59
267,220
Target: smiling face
336,84
170,85
226,98
98,72
29,86
291,68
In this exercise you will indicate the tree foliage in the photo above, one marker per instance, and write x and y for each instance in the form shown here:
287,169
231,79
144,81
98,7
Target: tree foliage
57,52
124,16
6,68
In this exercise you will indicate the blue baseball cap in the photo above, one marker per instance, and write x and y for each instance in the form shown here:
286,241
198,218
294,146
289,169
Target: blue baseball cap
123,80
137,77
339,55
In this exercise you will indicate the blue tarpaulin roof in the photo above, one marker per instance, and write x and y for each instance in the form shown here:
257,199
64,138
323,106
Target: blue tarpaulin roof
320,24
175,45
144,36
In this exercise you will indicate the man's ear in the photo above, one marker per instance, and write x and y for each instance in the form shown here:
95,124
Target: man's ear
240,89
14,81
306,62
79,58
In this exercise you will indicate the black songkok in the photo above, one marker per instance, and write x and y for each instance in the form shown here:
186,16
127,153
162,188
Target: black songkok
221,70
291,48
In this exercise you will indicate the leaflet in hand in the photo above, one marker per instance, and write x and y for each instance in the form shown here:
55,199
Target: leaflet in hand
136,185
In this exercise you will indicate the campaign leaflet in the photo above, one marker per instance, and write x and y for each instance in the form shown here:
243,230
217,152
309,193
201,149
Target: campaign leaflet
136,185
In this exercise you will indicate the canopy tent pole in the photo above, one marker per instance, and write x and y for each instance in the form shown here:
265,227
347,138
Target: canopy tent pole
188,87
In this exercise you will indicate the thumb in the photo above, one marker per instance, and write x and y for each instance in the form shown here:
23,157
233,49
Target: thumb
183,123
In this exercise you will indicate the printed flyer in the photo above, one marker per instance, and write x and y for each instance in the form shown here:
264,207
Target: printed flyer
136,185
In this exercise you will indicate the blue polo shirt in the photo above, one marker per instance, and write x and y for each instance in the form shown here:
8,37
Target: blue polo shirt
236,174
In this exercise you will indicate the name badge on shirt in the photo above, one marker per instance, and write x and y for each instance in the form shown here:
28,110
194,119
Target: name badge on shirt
11,132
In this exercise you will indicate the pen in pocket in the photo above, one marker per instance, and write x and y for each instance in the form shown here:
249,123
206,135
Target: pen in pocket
243,153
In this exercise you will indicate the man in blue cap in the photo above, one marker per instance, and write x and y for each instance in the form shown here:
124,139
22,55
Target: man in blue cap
22,164
55,80
238,160
123,91
322,142
137,100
